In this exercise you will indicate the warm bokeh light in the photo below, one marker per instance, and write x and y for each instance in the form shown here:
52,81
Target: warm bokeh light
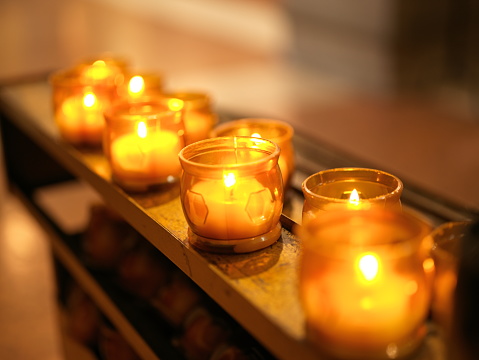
141,130
354,197
136,85
368,266
175,104
89,100
98,70
428,265
229,179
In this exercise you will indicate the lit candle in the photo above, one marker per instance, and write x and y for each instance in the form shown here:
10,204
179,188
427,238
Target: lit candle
142,142
81,95
350,188
231,208
80,119
199,118
231,193
364,283
145,158
106,71
277,131
140,86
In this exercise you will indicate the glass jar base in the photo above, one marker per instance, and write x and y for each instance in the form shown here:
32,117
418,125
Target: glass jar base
401,350
235,246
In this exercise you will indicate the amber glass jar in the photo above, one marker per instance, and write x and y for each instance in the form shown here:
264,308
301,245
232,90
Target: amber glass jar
142,141
350,188
81,95
231,193
365,283
199,116
277,131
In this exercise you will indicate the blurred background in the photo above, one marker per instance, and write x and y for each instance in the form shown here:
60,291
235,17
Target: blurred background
392,83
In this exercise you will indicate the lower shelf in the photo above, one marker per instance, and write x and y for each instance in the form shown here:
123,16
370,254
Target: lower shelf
152,329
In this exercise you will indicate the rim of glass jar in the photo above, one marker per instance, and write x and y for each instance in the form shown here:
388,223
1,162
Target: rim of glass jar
419,227
438,238
121,112
307,189
224,143
70,78
192,100
119,61
286,135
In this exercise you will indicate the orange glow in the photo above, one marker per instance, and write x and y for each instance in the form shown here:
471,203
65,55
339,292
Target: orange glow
229,180
354,197
99,70
428,265
141,130
410,288
136,85
175,104
89,100
368,266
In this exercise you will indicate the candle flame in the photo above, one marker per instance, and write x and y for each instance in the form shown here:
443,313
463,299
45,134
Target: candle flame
136,85
98,70
141,130
175,104
229,179
354,197
89,99
256,135
368,266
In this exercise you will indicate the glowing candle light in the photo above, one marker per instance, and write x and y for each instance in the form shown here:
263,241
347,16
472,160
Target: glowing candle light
199,117
354,201
136,85
104,71
141,87
80,119
231,193
363,285
350,188
143,142
368,266
81,95
277,131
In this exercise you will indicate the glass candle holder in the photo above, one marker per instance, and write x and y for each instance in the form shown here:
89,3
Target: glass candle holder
142,141
231,193
136,87
105,70
199,117
351,189
446,240
81,95
277,131
364,283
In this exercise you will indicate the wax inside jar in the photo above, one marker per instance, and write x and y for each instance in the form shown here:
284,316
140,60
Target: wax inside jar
80,118
154,156
239,209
